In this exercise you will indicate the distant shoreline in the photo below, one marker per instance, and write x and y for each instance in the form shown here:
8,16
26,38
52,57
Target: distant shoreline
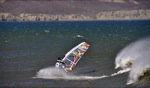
74,10
106,15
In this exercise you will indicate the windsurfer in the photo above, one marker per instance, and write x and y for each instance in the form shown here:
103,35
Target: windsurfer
59,59
60,62
72,57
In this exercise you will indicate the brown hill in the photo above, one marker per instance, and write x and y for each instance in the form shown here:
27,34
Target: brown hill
90,8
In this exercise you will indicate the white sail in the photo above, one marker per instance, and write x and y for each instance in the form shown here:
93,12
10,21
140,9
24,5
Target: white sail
74,55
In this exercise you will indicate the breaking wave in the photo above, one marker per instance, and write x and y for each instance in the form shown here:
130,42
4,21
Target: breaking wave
55,73
130,53
139,67
137,57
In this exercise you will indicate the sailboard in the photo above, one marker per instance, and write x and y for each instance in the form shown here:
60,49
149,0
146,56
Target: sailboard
73,56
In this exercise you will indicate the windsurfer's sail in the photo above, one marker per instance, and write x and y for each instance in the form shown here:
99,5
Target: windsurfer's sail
74,55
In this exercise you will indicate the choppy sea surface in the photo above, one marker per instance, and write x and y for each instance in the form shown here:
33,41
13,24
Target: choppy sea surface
29,50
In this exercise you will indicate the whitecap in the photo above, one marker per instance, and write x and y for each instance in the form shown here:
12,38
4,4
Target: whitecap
130,53
78,36
46,31
139,67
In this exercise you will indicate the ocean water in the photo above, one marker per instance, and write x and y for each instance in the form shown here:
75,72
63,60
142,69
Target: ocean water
29,50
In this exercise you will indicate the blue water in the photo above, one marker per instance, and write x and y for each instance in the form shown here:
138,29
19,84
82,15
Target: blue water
27,47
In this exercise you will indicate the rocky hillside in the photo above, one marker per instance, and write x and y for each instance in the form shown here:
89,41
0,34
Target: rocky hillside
39,10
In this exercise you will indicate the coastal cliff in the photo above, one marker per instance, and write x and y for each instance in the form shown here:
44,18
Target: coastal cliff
110,15
74,10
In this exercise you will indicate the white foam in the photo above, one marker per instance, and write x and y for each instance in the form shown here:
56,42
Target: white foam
139,67
46,31
55,73
78,36
137,54
121,72
130,53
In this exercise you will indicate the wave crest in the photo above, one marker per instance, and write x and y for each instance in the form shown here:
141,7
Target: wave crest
140,66
130,53
135,56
